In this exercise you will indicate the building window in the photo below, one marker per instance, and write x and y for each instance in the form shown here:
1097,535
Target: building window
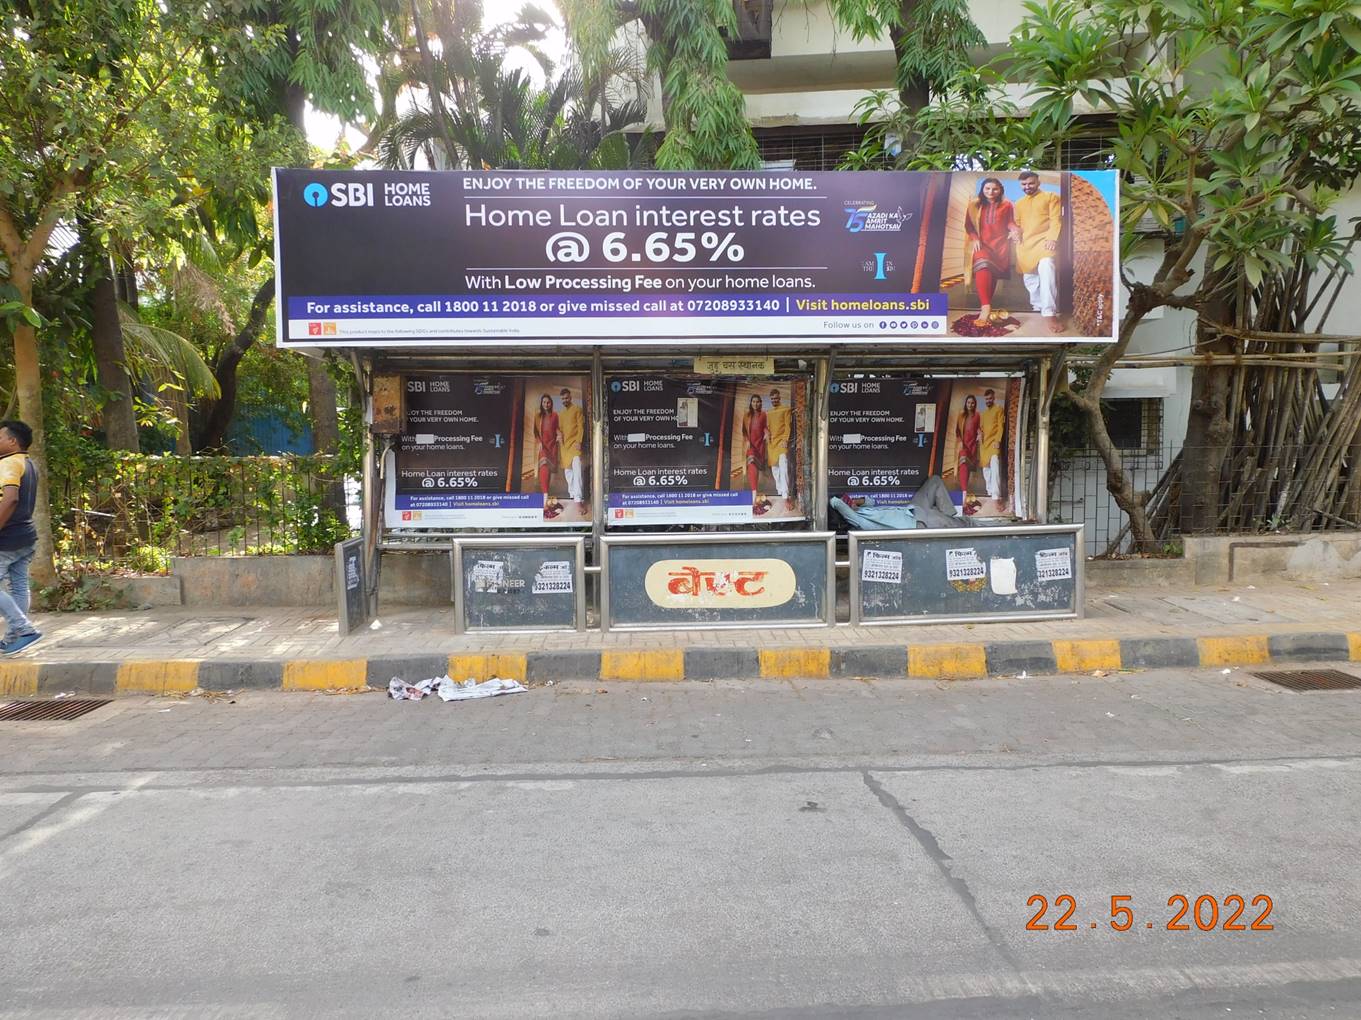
1134,423
808,149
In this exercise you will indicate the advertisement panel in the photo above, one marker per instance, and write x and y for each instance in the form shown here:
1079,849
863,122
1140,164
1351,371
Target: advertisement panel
523,583
997,573
491,451
458,258
653,582
889,433
705,450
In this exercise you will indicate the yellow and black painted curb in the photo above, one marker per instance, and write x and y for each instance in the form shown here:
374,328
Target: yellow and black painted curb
963,661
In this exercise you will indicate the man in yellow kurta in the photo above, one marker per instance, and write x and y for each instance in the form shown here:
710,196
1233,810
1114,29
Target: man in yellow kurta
1039,222
571,434
777,445
993,423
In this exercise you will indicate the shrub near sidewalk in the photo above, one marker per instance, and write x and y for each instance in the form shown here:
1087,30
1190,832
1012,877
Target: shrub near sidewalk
129,513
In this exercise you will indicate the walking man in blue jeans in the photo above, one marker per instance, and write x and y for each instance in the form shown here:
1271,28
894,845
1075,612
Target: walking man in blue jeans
18,536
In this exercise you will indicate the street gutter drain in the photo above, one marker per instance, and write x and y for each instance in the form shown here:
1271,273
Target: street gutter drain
1311,679
49,711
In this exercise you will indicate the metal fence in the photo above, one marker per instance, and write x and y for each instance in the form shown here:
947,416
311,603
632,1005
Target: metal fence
1249,499
137,511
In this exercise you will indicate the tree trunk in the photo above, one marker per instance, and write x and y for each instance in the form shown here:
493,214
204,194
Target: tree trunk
126,272
1118,482
220,412
914,94
106,334
1352,510
321,399
28,383
295,106
1208,428
178,400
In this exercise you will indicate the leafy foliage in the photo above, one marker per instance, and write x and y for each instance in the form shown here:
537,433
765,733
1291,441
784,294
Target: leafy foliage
1235,129
132,512
705,113
931,40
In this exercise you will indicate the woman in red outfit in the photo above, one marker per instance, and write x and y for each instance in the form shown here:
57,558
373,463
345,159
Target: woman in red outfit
968,428
755,432
546,435
989,225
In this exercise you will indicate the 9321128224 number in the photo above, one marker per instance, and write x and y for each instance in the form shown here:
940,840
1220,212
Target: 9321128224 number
1184,913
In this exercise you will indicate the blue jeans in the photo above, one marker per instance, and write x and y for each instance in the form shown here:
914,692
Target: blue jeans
14,602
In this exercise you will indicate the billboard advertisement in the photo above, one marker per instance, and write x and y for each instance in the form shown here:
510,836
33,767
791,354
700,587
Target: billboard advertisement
491,451
705,450
638,258
889,433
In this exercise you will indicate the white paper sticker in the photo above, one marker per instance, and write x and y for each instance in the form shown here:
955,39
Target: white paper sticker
489,575
425,438
1003,572
1054,564
926,418
637,437
553,578
687,412
852,439
882,565
964,565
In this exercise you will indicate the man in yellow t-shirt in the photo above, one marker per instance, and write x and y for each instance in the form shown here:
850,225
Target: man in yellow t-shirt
571,434
994,421
18,535
1039,224
778,423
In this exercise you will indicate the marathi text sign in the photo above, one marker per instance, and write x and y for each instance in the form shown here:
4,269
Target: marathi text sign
396,258
779,578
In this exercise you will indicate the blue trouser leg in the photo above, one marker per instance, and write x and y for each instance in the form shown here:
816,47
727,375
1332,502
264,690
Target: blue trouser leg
15,597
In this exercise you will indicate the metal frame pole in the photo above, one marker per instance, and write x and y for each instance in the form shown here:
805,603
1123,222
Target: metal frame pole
822,380
1042,445
370,501
597,453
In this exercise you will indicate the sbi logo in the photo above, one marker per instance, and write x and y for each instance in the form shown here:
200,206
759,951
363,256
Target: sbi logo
339,195
615,387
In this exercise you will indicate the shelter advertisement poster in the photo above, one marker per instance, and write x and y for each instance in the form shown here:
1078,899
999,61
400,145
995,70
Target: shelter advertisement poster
638,258
491,451
705,450
888,434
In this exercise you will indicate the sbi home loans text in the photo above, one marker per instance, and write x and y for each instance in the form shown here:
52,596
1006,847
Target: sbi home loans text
393,257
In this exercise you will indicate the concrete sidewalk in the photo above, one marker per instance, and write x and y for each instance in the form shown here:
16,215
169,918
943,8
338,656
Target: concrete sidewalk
300,649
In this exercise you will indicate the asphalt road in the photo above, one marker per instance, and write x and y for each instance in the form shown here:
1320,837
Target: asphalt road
831,849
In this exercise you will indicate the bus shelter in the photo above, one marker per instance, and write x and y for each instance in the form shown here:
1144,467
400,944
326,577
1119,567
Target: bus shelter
643,400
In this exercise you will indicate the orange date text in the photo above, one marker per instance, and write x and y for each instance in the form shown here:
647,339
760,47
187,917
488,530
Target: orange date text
1184,913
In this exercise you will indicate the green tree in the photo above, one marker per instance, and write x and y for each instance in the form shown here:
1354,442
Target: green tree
102,106
704,112
516,124
931,40
1235,128
308,51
